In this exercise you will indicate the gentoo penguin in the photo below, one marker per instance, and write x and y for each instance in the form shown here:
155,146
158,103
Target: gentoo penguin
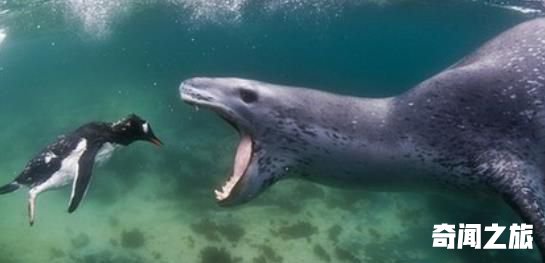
70,159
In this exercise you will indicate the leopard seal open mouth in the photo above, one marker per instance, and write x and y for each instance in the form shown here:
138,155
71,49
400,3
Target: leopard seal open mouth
296,132
478,126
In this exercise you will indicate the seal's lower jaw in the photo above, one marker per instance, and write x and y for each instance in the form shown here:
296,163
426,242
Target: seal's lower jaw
227,194
233,190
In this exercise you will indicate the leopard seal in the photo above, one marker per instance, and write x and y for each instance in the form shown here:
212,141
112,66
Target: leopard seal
477,126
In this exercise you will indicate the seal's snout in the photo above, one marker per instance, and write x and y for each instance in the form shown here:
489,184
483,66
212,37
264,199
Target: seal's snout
181,87
184,93
195,84
189,84
194,91
186,87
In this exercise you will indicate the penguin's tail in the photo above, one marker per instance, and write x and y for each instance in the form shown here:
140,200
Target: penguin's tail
8,188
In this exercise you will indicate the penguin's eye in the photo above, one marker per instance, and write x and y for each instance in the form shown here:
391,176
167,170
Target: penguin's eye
145,127
247,96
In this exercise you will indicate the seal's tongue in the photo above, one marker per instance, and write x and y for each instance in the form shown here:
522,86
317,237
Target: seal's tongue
242,160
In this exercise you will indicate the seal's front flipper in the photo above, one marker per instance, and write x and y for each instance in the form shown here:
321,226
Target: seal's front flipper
83,177
522,185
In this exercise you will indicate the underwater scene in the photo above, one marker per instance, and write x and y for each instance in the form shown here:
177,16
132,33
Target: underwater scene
67,63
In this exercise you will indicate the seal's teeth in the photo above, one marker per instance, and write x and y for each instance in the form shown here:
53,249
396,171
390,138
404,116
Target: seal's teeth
242,161
220,195
226,188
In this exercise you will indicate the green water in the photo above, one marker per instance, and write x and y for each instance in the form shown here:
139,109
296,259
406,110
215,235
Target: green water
64,63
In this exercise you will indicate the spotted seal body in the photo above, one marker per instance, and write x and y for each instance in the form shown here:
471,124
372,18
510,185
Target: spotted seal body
477,126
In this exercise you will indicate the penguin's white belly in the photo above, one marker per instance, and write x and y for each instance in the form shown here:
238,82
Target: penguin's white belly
68,171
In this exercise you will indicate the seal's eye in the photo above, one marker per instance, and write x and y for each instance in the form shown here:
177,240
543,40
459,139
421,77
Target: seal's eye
248,96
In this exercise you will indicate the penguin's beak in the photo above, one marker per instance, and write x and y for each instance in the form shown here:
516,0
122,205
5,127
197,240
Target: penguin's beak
153,139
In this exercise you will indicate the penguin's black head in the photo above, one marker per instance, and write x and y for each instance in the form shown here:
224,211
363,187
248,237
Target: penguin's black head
133,128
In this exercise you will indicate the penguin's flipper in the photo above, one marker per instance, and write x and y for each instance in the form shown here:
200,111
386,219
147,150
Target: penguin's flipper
8,188
522,186
83,176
